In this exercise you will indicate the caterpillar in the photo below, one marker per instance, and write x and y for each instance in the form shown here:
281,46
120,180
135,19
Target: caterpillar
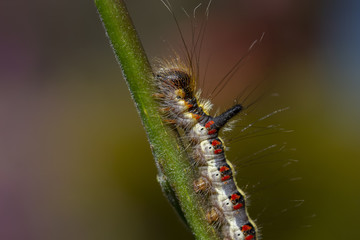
182,106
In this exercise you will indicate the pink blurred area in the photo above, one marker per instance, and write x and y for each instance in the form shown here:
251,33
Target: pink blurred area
74,158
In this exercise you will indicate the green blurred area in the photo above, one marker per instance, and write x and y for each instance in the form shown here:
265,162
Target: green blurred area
75,162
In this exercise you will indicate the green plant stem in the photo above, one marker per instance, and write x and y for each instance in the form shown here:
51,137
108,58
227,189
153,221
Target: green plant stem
170,157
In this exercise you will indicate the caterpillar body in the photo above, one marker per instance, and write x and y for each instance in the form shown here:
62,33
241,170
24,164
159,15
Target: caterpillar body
182,106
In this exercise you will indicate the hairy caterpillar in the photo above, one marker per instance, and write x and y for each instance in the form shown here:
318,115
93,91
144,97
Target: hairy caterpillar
182,107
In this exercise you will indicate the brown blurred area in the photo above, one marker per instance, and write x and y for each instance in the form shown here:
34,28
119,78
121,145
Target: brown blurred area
74,159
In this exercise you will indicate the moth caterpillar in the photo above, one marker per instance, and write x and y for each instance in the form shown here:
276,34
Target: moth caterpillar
183,107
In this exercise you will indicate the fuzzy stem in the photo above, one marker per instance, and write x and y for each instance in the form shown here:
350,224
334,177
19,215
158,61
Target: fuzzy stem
170,157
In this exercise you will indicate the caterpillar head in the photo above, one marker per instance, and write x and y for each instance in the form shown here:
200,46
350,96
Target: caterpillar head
178,81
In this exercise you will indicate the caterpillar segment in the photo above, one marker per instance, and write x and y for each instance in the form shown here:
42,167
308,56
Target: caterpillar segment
246,232
179,103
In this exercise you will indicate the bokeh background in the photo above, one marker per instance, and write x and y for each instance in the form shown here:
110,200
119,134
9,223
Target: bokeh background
74,159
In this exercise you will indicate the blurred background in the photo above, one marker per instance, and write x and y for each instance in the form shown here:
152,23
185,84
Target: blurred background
74,159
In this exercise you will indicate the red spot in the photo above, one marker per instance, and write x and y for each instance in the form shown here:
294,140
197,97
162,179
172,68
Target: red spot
217,151
235,197
223,169
246,228
224,178
215,143
249,237
196,116
212,131
189,105
208,124
238,206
